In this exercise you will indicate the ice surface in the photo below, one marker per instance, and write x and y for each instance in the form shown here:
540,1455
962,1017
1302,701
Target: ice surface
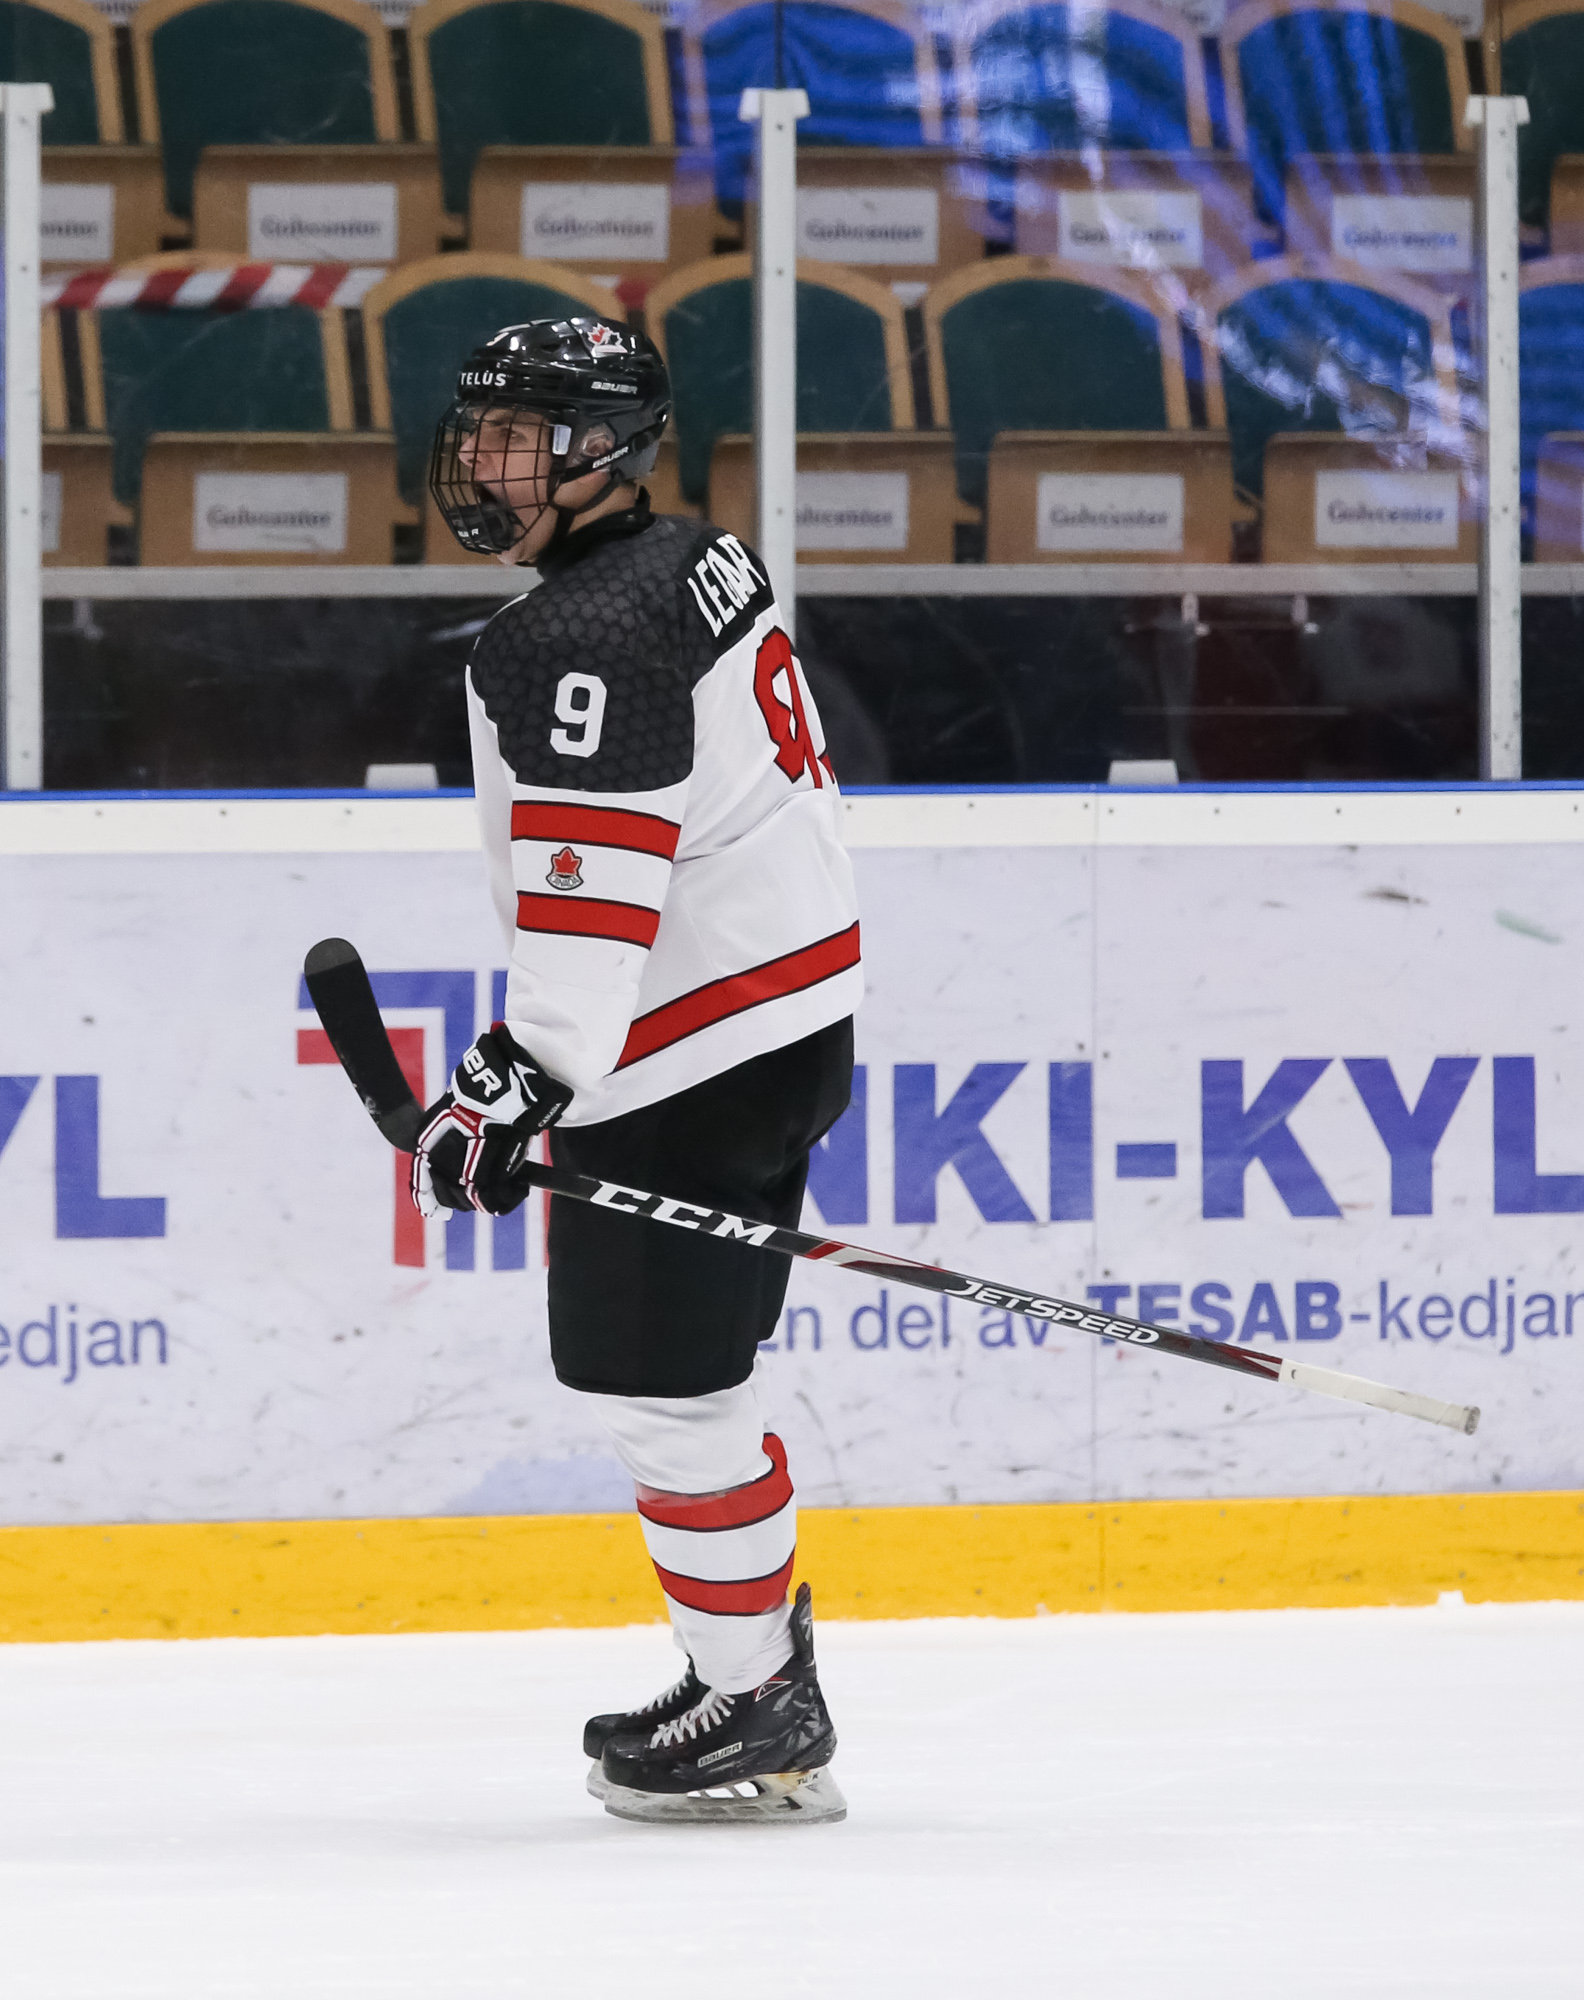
1272,1805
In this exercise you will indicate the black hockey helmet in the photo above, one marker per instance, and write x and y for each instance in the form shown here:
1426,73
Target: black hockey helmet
601,396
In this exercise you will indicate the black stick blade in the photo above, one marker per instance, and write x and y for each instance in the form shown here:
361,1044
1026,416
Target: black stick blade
344,1000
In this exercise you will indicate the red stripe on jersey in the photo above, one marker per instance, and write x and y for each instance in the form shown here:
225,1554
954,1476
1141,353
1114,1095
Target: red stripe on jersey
596,826
588,916
706,1005
730,1600
736,1507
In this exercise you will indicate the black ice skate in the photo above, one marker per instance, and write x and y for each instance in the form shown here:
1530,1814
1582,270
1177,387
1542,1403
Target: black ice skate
599,1729
760,1757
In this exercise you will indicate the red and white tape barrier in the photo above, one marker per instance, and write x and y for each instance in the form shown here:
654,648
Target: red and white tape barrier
232,288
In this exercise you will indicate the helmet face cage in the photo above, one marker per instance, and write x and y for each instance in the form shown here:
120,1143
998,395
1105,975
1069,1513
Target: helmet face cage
494,470
539,406
496,466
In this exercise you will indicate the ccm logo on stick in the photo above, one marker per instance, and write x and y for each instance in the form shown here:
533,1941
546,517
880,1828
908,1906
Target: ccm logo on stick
708,1221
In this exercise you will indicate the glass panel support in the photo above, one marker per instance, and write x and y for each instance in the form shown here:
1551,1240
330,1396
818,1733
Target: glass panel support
776,112
22,109
1497,120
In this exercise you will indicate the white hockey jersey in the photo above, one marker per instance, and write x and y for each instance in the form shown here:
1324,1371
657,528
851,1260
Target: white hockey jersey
659,816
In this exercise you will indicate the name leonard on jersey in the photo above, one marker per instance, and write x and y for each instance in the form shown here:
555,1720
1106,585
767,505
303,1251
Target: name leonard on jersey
729,590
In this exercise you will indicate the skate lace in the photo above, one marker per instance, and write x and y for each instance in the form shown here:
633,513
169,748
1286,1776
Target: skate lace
698,1721
670,1695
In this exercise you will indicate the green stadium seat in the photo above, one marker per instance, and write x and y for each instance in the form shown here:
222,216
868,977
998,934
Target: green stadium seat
70,46
1041,76
535,73
1550,367
868,67
279,368
1323,345
1039,344
852,363
114,209
1334,77
423,320
1541,58
259,72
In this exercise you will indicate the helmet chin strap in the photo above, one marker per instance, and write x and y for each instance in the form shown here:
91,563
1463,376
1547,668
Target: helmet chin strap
567,517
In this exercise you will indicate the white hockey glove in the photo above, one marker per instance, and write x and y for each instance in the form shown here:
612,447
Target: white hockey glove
476,1136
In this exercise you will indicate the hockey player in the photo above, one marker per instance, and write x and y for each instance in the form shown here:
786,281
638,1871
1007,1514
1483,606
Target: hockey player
660,824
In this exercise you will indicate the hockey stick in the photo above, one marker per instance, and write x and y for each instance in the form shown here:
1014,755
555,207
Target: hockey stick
339,988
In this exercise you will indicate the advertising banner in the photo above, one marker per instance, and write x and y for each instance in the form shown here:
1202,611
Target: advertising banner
852,510
245,512
596,221
77,222
1111,513
1131,226
328,222
1404,232
1318,1092
869,225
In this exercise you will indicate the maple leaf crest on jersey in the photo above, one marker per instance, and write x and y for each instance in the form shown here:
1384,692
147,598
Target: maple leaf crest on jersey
566,870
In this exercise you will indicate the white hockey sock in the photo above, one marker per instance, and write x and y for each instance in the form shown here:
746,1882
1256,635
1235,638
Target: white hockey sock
720,1521
724,1561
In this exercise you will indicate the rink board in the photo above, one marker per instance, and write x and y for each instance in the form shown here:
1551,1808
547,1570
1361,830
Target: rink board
204,1580
213,1310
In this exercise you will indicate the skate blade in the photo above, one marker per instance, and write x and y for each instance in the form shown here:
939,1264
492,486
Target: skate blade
791,1798
597,1782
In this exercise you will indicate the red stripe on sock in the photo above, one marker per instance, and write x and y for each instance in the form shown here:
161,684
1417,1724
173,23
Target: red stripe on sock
706,1005
736,1507
596,826
754,1595
589,916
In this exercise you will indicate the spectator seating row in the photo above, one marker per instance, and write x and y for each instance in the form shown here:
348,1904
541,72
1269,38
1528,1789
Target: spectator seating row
1036,369
1294,95
904,218
1536,50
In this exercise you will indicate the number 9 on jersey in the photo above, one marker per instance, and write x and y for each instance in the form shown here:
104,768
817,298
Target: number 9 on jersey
579,703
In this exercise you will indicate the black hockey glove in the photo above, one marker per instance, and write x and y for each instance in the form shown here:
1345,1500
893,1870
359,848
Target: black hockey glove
476,1135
